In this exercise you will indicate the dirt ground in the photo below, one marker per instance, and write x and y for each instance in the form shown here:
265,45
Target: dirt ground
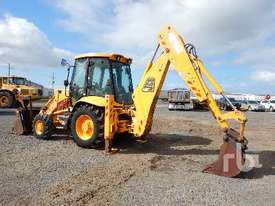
165,170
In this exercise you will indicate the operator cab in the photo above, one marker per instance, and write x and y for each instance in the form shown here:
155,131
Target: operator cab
102,74
18,80
13,80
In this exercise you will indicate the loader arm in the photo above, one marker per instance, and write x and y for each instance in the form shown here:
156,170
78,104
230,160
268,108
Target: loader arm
192,70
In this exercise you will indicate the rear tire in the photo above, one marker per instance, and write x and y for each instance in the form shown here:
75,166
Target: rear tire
43,127
271,109
87,126
6,100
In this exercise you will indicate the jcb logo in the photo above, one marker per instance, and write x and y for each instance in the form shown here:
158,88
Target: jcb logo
149,85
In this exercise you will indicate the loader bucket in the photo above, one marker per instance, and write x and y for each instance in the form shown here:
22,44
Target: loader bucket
231,159
23,123
23,120
18,128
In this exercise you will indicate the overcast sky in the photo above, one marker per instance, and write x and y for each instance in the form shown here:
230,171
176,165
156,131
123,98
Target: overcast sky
235,39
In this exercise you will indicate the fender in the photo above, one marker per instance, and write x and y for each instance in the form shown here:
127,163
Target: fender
93,100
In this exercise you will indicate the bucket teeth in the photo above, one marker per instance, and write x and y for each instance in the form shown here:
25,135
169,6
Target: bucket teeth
231,158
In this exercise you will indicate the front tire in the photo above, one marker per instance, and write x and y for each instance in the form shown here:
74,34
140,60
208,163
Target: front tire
6,100
87,126
43,127
271,109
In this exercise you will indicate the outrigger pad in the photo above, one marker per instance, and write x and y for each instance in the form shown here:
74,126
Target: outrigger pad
230,162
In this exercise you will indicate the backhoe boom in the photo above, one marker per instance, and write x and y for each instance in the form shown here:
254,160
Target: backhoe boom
183,58
191,69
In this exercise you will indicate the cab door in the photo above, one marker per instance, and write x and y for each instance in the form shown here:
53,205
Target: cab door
78,82
99,82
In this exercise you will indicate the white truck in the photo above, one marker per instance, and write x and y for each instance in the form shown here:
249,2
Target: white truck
179,99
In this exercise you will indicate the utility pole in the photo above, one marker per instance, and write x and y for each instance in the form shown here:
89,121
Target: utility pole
53,81
9,70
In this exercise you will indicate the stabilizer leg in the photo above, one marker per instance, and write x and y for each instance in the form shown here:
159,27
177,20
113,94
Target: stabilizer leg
109,124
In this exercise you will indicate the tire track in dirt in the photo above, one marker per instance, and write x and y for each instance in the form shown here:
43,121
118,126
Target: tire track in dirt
95,186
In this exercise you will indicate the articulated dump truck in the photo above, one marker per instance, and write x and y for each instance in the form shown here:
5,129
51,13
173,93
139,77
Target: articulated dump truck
13,88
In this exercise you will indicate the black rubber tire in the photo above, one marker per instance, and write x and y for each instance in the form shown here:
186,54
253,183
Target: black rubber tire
10,99
48,125
97,116
271,109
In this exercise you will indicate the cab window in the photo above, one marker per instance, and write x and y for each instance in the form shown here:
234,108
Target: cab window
122,82
99,81
77,87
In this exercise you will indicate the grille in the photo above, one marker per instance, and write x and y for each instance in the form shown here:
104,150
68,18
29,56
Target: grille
25,91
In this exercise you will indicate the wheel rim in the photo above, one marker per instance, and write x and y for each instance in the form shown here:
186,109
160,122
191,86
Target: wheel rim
4,101
39,127
84,127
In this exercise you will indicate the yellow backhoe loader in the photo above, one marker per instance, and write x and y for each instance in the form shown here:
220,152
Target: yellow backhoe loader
101,101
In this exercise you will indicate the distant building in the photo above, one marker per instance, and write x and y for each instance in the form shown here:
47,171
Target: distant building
237,96
30,83
240,96
47,92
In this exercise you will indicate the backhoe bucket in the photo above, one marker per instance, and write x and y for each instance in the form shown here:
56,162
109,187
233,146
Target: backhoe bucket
231,158
23,123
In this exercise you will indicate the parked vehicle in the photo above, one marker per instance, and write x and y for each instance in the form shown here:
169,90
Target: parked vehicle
11,85
179,98
252,105
269,105
224,105
244,105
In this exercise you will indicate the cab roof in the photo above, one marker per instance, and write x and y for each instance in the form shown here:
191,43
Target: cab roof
112,56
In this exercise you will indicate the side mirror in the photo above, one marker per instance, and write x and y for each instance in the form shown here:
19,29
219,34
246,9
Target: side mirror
64,62
66,83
